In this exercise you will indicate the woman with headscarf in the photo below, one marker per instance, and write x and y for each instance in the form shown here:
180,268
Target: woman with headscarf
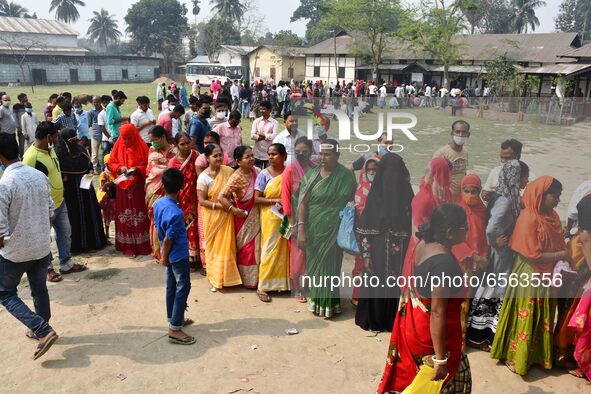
159,155
83,208
324,192
128,162
366,177
503,210
524,331
384,230
580,321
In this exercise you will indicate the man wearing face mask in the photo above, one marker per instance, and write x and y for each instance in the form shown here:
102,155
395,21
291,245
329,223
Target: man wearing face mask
289,136
143,118
7,119
19,109
510,150
42,157
221,114
29,124
455,152
199,126
82,118
382,150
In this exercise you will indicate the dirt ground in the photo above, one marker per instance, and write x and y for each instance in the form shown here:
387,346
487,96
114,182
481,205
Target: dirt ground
112,323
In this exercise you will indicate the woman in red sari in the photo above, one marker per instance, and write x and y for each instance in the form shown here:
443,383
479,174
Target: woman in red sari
427,328
185,162
132,225
290,183
238,197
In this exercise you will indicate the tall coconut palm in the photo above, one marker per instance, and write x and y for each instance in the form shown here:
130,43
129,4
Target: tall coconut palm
103,28
524,15
65,10
229,9
12,9
196,9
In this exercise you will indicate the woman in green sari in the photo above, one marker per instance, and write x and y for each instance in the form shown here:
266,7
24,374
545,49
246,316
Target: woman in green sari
323,193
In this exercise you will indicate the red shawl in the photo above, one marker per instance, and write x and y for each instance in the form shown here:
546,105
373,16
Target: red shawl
129,151
476,242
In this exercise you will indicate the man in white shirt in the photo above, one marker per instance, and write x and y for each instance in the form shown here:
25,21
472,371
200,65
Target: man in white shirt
221,113
443,94
143,118
263,132
235,92
29,124
383,95
106,141
289,136
428,95
510,150
281,93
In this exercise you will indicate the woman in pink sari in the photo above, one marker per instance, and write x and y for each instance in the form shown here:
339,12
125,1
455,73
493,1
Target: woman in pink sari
238,197
290,183
161,152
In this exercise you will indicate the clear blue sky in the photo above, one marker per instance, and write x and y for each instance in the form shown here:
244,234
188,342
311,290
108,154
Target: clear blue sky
275,13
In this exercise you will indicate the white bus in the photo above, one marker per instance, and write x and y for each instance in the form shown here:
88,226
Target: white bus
206,73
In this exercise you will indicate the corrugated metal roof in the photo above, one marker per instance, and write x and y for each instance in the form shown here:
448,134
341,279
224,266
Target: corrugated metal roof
283,51
45,50
561,68
35,26
240,49
584,51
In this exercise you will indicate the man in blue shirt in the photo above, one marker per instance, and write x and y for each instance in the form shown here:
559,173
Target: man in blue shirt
66,120
169,221
199,125
83,129
96,137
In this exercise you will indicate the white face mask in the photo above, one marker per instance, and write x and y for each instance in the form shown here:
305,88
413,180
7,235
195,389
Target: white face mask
6,104
370,177
220,115
460,140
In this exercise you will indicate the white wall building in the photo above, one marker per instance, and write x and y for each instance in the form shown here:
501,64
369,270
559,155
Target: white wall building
320,60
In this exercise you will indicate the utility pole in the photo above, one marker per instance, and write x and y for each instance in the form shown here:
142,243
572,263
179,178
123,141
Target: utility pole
336,69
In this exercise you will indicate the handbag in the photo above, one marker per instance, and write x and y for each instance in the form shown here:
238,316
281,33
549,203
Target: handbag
346,235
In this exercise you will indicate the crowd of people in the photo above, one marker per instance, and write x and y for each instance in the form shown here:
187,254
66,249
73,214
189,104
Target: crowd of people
185,188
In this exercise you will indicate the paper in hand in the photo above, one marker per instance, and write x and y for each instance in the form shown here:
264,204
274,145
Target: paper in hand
86,181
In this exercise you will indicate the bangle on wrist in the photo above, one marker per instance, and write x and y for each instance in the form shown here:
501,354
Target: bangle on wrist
439,362
213,206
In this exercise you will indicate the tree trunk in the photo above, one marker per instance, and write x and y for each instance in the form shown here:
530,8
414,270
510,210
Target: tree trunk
446,76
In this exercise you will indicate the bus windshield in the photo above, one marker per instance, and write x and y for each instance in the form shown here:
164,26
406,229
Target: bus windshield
234,72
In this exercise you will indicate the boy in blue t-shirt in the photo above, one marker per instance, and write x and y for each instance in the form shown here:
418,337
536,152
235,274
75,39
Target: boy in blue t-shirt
170,225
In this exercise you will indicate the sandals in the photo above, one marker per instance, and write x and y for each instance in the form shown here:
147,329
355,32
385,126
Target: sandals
577,373
53,276
42,348
31,335
511,366
264,297
186,340
75,268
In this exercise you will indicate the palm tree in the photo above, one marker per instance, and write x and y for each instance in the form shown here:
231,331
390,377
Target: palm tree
229,9
524,15
196,9
12,9
65,10
103,28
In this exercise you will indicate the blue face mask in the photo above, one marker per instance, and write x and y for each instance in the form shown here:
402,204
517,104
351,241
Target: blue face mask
370,177
382,150
2,168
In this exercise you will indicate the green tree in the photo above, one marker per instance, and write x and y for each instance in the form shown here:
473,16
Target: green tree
214,33
574,16
370,22
524,15
13,9
435,30
66,10
475,11
286,38
309,10
103,29
195,10
495,19
229,10
157,26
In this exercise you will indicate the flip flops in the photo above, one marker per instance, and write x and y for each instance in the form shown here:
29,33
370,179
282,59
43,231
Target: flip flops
186,340
42,348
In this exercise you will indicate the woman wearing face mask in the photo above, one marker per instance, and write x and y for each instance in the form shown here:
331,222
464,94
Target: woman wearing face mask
185,162
83,208
160,154
132,225
237,197
366,178
384,231
274,267
292,176
218,224
503,210
524,333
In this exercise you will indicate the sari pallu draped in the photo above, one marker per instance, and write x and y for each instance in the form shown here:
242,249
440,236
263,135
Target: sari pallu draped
290,184
241,190
188,197
580,323
328,196
157,164
274,267
219,236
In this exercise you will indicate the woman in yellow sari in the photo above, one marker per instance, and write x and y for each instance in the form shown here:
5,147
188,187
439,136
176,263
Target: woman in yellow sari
218,223
274,266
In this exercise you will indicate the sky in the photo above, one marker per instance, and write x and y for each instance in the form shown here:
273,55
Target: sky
275,13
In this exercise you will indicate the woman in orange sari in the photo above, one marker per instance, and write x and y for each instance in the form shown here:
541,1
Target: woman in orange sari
237,197
427,328
161,152
132,225
185,162
218,223
524,331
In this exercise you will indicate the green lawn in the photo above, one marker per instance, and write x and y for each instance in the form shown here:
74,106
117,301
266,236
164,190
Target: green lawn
432,129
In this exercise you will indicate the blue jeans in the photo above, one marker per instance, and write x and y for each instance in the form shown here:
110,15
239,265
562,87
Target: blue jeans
63,238
107,147
244,109
178,285
10,277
